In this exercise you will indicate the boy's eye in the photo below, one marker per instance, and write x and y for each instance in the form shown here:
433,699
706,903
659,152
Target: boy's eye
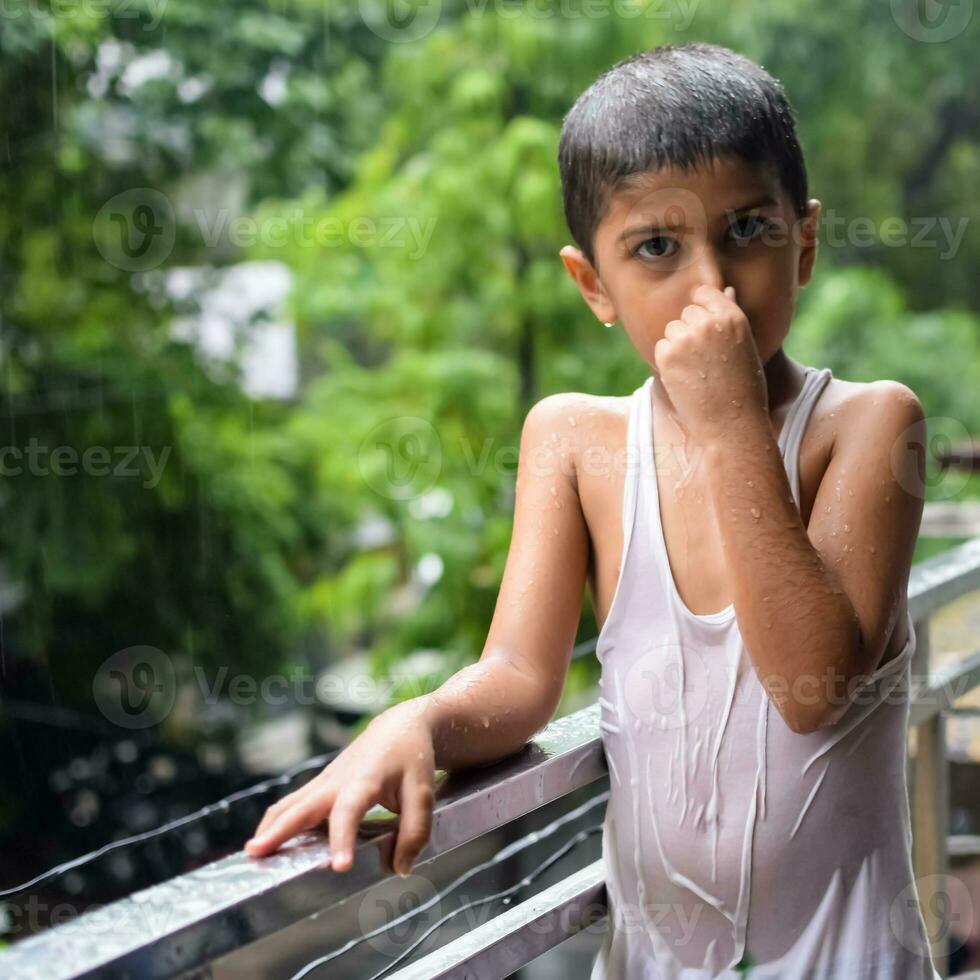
744,230
755,224
660,245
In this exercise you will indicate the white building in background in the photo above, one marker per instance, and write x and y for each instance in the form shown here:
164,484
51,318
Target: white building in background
240,315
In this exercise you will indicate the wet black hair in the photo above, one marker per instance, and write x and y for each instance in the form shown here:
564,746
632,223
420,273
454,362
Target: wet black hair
680,105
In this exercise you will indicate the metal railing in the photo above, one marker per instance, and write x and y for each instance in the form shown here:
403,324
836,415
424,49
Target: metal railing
185,926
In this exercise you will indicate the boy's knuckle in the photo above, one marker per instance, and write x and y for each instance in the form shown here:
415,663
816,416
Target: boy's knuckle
366,786
343,808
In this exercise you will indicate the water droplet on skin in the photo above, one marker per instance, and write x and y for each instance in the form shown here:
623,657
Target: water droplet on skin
572,420
751,483
847,528
873,549
701,373
756,513
736,403
724,357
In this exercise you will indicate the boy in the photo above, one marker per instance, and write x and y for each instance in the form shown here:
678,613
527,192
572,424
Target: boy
796,501
775,575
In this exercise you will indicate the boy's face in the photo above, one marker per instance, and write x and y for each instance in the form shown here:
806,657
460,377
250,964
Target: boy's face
670,231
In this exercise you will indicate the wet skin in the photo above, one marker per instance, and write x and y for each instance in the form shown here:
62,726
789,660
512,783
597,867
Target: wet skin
706,298
702,269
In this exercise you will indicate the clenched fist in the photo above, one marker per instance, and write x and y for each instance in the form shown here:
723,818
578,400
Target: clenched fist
709,365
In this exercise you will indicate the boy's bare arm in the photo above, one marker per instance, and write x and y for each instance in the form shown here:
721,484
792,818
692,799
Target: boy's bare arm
817,605
487,710
490,709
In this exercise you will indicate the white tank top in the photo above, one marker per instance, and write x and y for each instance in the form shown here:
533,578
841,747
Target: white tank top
731,841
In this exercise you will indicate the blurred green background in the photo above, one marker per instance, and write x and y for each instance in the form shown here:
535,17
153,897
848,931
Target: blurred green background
304,255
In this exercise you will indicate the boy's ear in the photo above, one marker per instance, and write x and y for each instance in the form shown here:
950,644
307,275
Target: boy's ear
589,285
809,226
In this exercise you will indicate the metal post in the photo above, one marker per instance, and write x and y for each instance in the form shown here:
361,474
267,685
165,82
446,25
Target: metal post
930,813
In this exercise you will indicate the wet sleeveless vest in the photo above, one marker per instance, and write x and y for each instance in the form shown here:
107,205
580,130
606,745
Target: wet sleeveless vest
729,839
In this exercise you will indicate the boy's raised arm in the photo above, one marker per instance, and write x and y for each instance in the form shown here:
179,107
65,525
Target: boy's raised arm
817,605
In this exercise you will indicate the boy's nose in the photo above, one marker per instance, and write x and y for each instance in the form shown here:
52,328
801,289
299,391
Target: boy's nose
707,269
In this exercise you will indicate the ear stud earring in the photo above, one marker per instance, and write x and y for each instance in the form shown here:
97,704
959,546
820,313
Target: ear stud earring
609,324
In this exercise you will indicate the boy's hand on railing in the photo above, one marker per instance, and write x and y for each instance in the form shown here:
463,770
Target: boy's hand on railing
392,763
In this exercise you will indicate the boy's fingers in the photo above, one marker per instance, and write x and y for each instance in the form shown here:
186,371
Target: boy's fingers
272,812
344,820
316,786
303,815
415,825
278,808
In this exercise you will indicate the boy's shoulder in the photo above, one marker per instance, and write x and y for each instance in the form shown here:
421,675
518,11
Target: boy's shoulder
849,411
578,424
573,405
883,388
577,415
858,410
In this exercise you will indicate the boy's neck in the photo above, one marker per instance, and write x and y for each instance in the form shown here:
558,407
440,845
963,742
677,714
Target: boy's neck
784,378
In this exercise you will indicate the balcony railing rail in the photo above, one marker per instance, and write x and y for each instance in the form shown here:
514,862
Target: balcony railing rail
181,927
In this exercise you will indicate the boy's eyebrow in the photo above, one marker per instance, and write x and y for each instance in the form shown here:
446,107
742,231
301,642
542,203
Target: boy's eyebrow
762,202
